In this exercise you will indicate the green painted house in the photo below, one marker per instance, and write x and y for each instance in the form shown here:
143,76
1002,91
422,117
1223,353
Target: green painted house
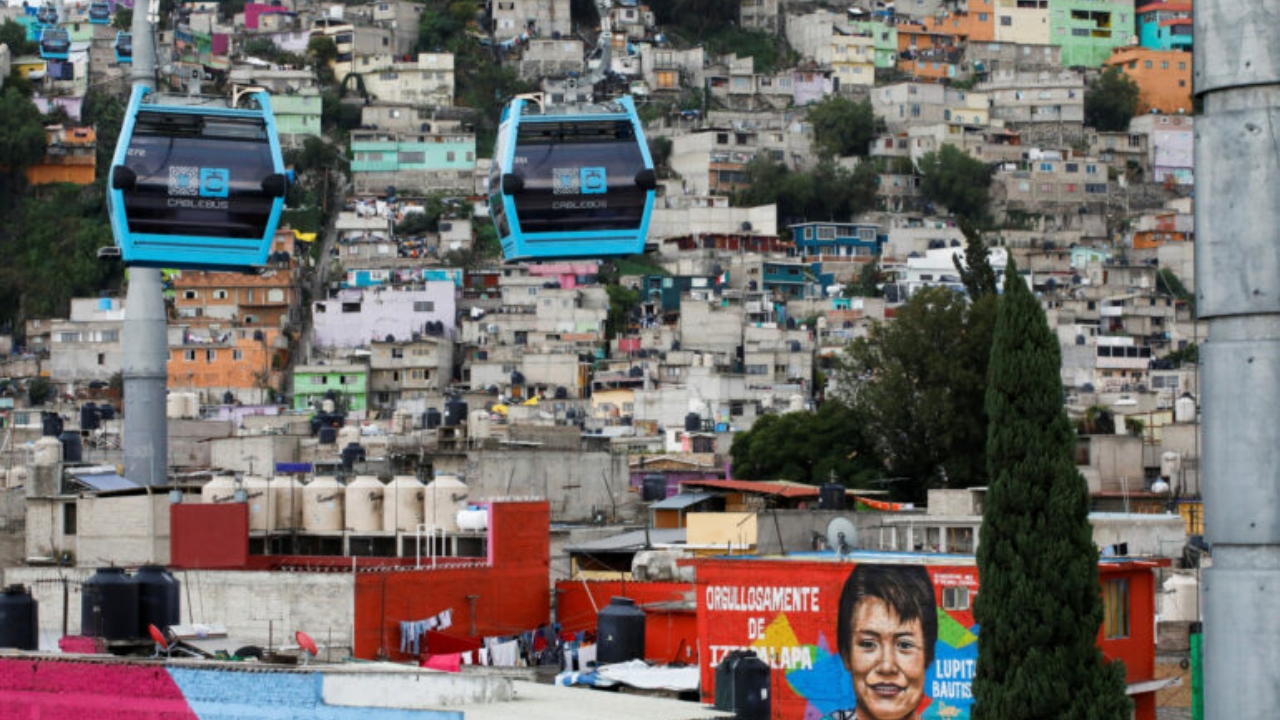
1087,30
886,38
346,385
297,115
414,162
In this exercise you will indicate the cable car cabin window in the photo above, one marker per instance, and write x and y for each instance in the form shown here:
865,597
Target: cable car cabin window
198,176
578,176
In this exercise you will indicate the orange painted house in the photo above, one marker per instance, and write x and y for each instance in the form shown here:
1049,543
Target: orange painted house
229,299
1163,77
70,156
245,362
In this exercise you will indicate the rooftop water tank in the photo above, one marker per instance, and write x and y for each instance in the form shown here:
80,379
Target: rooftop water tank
327,405
286,502
432,419
620,632
89,416
401,422
322,505
1184,409
19,615
1180,601
109,605
479,425
261,505
327,435
455,412
473,518
751,699
220,489
348,434
158,598
831,496
654,487
402,506
352,453
442,498
72,448
363,498
47,451
50,424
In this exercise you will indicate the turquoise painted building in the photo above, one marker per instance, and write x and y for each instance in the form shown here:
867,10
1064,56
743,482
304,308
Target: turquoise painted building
886,41
346,385
1165,24
424,162
1087,30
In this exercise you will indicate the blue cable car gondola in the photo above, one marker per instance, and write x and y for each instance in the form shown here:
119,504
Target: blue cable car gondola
47,16
99,13
571,183
195,186
124,47
55,44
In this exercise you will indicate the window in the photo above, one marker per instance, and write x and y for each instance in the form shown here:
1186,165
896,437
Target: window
190,294
1073,167
1096,188
451,156
955,598
1006,20
102,358
210,356
189,355
237,354
1091,169
219,294
424,306
1147,64
1164,65
69,519
417,157
1046,167
1115,608
397,353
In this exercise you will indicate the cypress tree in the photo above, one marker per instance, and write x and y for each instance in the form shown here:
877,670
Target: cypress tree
1039,603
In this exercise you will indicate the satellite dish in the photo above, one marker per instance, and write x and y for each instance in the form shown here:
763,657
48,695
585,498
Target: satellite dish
307,644
842,536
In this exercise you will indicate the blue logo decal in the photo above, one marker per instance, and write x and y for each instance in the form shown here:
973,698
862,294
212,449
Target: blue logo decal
215,182
594,181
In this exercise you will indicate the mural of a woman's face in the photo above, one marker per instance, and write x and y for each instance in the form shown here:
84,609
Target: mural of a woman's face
887,662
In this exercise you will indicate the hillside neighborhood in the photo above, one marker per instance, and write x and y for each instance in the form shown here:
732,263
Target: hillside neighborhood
516,443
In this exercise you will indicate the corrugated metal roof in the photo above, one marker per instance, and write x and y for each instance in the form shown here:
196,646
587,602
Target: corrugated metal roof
102,479
632,540
534,701
682,501
781,488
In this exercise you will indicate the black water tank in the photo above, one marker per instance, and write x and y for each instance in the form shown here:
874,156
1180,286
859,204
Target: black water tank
158,598
109,605
431,419
89,416
831,496
352,454
620,632
107,411
724,678
72,447
19,628
455,412
751,699
328,435
50,424
654,488
692,422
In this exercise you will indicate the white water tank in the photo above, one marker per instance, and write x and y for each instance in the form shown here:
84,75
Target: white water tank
795,403
220,489
286,501
327,406
363,499
182,405
1184,409
443,498
1170,465
48,451
402,508
347,434
401,422
322,504
1180,599
261,504
474,518
479,425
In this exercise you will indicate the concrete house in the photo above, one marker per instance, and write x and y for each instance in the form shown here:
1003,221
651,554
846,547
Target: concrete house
1035,97
1170,147
355,318
414,367
228,299
1023,22
87,346
825,38
540,18
295,99
247,364
1050,181
666,70
1088,30
427,79
347,385
424,161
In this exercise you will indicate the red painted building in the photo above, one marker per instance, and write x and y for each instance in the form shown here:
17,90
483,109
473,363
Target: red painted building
671,620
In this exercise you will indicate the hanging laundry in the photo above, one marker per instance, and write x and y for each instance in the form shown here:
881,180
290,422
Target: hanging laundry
451,662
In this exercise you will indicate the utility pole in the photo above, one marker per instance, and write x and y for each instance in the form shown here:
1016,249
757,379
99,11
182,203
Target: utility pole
1237,76
146,343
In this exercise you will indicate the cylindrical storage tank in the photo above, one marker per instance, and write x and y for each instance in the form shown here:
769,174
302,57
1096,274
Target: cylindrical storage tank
692,422
795,403
72,448
327,406
831,496
328,435
1184,409
474,518
432,419
107,411
19,616
322,503
50,424
751,700
48,451
1180,601
158,598
724,679
455,412
653,488
220,489
89,416
401,422
620,632
363,498
402,504
352,453
442,498
348,434
261,505
109,605
286,502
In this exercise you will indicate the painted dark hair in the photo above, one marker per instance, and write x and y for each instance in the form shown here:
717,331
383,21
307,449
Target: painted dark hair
906,589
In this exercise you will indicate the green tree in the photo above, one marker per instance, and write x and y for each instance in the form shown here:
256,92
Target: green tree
123,19
976,273
807,447
14,35
622,301
829,191
1110,101
918,383
843,127
956,180
868,282
105,112
323,51
21,142
39,391
1040,607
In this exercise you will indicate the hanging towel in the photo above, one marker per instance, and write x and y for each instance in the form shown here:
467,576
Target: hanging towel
506,654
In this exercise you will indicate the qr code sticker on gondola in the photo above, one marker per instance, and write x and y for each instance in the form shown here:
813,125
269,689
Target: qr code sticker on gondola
184,180
564,181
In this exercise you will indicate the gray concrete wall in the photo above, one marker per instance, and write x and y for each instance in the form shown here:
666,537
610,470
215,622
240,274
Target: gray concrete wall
577,484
